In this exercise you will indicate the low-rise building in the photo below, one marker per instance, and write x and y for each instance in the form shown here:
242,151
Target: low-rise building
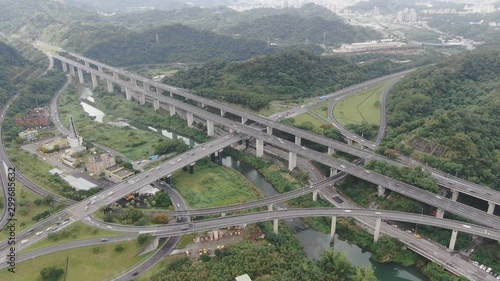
29,135
117,173
97,164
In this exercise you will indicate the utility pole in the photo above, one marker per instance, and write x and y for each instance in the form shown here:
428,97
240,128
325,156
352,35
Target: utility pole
66,271
157,39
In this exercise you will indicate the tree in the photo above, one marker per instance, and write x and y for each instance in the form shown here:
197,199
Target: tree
143,238
119,248
51,273
364,274
161,218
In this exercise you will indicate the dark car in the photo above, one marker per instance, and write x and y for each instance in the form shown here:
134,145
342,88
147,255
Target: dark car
135,273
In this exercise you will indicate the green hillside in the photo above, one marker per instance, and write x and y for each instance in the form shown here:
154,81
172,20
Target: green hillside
11,64
448,115
176,43
288,75
293,29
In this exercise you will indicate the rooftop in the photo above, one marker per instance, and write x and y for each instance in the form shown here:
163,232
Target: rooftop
243,277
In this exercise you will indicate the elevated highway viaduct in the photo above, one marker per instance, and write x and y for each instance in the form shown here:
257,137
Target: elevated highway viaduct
163,92
295,148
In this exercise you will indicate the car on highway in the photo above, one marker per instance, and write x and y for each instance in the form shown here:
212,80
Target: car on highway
38,233
347,211
24,241
342,166
104,239
109,227
337,199
184,228
368,172
135,273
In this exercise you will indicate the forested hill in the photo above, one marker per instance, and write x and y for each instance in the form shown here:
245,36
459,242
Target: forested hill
11,62
176,43
451,111
289,75
295,29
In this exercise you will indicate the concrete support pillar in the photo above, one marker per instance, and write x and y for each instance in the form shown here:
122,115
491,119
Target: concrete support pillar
216,234
315,195
376,234
64,67
133,82
191,168
223,214
110,86
454,195
439,213
292,160
168,179
202,105
80,76
185,168
188,218
270,207
491,208
247,143
222,112
171,108
115,74
269,130
156,104
171,94
298,140
275,226
243,120
349,142
71,70
94,80
159,91
189,118
212,157
453,240
380,190
259,147
333,171
210,128
122,88
142,98
219,157
87,64
128,93
331,151
333,227
146,86
99,68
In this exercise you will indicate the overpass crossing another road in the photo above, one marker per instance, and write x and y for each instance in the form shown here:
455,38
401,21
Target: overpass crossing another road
456,185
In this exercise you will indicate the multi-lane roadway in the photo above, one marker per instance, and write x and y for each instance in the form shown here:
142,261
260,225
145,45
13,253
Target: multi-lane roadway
457,184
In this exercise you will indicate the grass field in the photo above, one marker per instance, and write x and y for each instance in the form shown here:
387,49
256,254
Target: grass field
94,263
185,240
24,197
213,185
78,231
135,144
32,167
362,107
322,110
306,117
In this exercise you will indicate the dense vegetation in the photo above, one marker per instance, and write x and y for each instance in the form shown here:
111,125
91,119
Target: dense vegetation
448,115
289,75
11,62
460,25
283,259
176,43
292,29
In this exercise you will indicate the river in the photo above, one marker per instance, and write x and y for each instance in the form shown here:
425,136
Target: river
313,242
